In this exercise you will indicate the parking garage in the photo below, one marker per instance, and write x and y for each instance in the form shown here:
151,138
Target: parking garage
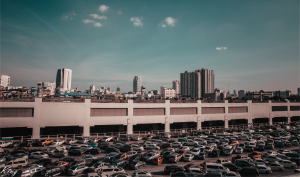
260,120
280,119
238,122
148,127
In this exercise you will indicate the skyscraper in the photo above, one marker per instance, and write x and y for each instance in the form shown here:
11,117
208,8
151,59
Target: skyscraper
197,83
4,81
176,86
63,79
137,85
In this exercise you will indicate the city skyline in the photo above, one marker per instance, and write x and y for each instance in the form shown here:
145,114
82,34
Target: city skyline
249,45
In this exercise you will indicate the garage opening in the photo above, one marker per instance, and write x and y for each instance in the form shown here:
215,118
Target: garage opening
216,123
108,128
17,131
61,130
280,119
180,125
148,127
261,120
238,122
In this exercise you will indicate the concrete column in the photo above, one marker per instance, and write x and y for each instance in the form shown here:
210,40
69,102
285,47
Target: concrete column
87,112
199,127
226,124
250,122
167,118
37,118
271,120
250,116
130,121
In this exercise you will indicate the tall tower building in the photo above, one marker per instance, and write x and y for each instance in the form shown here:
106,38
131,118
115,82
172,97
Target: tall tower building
208,81
118,90
190,84
4,81
176,86
197,83
63,79
137,85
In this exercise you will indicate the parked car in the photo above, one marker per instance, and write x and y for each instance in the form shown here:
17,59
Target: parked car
264,169
157,160
249,171
38,155
74,170
137,164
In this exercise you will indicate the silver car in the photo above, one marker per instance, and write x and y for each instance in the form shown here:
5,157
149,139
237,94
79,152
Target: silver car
188,157
76,170
264,169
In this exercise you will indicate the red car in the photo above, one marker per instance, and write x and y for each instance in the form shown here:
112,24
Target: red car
157,160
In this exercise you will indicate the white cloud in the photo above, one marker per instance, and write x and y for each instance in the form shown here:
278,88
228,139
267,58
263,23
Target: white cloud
97,24
103,8
168,21
96,16
137,21
68,16
221,48
88,21
119,12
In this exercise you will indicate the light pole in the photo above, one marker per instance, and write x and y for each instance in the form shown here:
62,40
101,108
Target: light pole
225,122
127,125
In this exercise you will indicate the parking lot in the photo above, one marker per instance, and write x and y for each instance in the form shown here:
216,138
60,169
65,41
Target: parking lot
158,170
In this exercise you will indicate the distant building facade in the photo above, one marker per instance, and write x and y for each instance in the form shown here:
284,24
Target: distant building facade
64,79
4,81
48,88
119,90
283,94
168,93
137,85
176,86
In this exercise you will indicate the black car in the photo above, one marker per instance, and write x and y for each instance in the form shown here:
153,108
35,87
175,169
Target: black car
296,160
136,157
137,164
215,153
103,147
249,149
120,163
92,151
244,163
102,143
52,171
45,162
167,154
88,170
260,148
231,166
17,152
67,159
112,149
249,171
202,155
172,168
178,173
75,152
126,148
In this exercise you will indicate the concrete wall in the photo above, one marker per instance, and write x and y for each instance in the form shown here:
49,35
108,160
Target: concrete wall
78,114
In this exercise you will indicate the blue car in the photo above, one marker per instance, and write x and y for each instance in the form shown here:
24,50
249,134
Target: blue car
92,145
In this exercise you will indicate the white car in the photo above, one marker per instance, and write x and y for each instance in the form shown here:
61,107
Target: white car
152,146
106,171
141,173
232,174
272,153
196,151
95,140
138,138
136,147
107,138
57,142
176,144
186,148
264,169
147,143
151,156
89,157
38,155
5,143
288,164
239,150
131,153
71,141
201,141
190,142
188,157
85,140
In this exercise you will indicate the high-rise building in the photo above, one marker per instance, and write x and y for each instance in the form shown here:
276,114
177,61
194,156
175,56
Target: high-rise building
4,81
298,90
197,83
137,85
118,90
190,84
64,79
176,86
92,89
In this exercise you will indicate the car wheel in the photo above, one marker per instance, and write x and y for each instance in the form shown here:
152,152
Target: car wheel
292,167
280,169
267,172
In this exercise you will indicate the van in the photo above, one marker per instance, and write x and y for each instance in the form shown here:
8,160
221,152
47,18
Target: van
16,163
215,167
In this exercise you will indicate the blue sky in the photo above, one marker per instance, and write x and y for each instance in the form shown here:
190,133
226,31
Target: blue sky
249,44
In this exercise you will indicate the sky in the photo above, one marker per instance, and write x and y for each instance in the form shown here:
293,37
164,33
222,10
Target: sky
250,45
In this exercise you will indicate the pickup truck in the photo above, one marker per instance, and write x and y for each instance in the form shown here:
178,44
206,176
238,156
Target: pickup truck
242,157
